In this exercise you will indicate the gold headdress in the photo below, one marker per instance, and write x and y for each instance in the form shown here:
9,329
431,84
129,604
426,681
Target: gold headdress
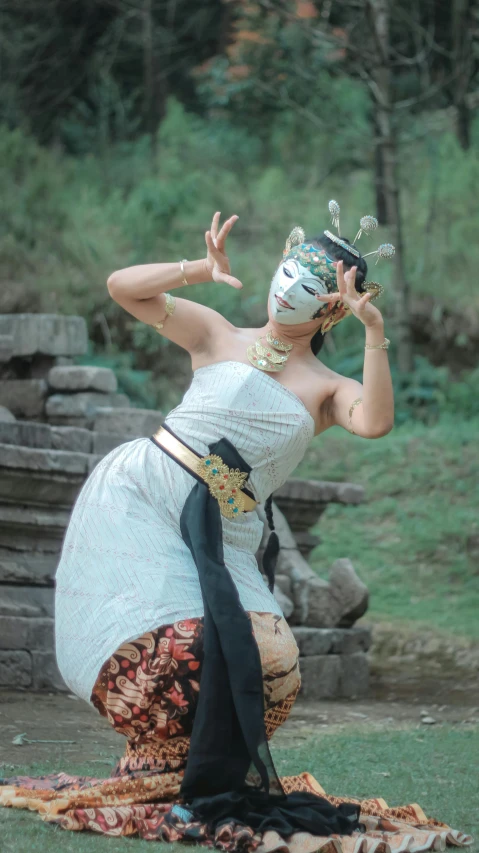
318,262
308,256
366,224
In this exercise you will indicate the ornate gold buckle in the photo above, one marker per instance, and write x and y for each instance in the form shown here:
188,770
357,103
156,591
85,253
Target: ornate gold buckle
224,483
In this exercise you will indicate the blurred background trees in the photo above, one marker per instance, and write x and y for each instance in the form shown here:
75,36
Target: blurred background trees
126,123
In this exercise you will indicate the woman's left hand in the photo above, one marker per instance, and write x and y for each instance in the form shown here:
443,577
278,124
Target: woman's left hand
359,304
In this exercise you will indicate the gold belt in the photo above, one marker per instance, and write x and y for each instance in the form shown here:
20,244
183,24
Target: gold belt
225,484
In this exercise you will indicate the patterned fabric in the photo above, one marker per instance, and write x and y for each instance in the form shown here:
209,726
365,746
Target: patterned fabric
148,692
125,568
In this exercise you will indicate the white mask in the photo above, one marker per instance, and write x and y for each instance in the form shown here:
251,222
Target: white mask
292,296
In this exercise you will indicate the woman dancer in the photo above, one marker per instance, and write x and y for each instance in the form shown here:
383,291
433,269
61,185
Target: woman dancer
163,620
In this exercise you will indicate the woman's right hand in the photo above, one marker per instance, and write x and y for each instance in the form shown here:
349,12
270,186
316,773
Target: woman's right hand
217,261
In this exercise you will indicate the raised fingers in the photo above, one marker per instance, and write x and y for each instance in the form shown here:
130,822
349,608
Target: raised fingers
215,223
225,230
340,278
350,279
211,246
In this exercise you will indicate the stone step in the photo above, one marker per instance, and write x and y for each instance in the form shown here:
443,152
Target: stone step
25,398
33,476
6,416
304,501
330,676
26,601
336,641
128,422
30,634
71,409
17,567
83,378
6,348
30,529
36,670
46,334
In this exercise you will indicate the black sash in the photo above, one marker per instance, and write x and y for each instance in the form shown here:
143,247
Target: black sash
230,773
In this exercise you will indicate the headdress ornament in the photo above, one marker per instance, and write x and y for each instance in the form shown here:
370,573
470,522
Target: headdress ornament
320,265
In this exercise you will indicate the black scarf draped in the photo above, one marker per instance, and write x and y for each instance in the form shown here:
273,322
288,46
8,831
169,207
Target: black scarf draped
230,773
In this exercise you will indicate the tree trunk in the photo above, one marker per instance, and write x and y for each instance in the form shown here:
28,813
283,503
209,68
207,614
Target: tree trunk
463,66
387,152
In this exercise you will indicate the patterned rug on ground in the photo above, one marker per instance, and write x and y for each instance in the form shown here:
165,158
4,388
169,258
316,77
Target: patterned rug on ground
144,805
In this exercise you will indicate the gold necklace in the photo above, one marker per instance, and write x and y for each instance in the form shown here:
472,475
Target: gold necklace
271,358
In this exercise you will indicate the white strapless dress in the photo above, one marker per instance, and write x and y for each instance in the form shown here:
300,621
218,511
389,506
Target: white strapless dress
124,568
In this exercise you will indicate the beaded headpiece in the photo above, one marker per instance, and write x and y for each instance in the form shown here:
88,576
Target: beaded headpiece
320,264
366,225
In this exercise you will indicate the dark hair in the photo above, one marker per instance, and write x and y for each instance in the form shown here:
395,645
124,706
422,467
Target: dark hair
337,253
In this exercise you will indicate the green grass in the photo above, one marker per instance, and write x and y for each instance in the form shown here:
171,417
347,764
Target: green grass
436,768
408,540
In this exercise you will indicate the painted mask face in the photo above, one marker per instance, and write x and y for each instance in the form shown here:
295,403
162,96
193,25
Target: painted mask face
305,272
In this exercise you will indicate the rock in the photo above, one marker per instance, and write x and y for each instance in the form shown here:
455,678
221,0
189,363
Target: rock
284,583
6,348
320,676
47,334
354,677
104,442
83,404
71,438
83,379
284,602
347,587
24,397
306,542
133,423
6,416
24,568
45,672
15,669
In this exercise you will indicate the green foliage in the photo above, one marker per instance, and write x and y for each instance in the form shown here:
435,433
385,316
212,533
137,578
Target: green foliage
66,222
408,539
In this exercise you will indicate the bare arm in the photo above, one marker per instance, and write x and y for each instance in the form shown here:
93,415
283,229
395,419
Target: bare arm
374,416
141,290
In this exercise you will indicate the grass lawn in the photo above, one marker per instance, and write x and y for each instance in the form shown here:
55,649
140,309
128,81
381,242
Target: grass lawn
408,540
435,767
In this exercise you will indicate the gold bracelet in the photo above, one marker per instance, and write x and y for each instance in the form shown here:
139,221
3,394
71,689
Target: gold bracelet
170,305
351,410
384,345
182,267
